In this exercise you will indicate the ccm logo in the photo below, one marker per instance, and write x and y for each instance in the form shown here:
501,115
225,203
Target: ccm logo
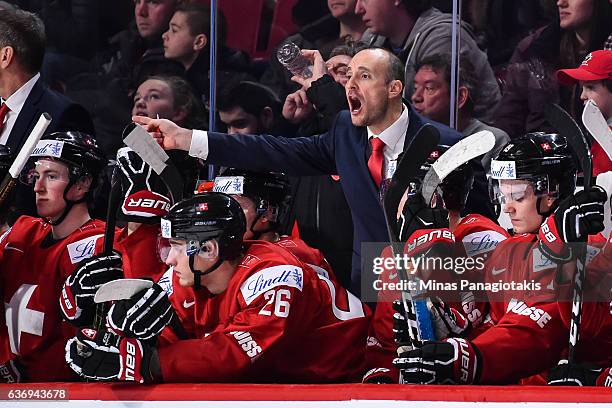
149,203
247,343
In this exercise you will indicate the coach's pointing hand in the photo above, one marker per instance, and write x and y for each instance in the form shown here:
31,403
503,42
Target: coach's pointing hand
169,135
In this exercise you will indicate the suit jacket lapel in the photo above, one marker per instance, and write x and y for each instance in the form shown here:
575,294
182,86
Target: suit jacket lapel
27,117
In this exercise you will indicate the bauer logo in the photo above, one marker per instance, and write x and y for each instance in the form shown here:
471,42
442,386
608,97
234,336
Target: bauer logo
166,228
51,148
505,170
268,278
229,185
82,249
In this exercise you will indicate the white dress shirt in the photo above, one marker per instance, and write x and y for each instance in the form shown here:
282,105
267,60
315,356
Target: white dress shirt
393,136
15,103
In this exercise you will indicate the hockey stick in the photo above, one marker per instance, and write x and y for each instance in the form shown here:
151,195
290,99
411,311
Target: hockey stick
567,127
121,289
423,143
597,126
457,155
140,141
10,180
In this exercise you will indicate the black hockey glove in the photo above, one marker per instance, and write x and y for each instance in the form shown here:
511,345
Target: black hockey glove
583,374
77,297
12,372
104,356
145,197
417,215
577,217
401,327
448,321
452,361
143,316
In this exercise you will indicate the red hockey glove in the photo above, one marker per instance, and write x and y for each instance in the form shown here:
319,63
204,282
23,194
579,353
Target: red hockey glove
452,361
576,217
104,356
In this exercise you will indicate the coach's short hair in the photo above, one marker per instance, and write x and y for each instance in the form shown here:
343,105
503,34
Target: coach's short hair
25,33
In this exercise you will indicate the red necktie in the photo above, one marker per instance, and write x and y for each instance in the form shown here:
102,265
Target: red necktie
376,160
3,111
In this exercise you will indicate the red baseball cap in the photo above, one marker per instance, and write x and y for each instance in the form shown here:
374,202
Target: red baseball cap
595,67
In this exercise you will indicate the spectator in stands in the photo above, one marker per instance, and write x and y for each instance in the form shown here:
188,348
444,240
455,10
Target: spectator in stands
248,107
431,98
413,30
341,27
170,97
187,41
582,26
594,75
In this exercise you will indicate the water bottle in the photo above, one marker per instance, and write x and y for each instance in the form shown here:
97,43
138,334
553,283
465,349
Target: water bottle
290,56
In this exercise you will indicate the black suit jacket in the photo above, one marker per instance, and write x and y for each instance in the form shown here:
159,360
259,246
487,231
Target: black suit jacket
65,115
342,150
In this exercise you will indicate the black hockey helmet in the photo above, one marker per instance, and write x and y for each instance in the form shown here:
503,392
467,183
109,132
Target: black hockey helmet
455,187
265,189
269,191
202,218
543,159
79,151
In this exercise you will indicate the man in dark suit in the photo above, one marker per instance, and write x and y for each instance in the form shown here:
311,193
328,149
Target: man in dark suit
362,146
24,96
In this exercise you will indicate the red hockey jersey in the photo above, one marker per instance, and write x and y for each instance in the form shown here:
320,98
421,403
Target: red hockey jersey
33,268
477,236
277,321
139,252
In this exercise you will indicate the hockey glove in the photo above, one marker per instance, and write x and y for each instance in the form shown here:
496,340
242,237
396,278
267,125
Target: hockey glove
378,376
143,316
577,217
145,198
104,356
401,327
452,361
448,321
583,374
12,372
417,215
77,297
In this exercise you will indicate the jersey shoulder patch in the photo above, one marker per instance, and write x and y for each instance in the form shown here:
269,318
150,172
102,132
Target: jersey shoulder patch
271,277
83,248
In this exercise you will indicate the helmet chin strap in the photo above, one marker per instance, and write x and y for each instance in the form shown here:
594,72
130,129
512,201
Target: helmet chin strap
545,214
197,275
258,234
67,208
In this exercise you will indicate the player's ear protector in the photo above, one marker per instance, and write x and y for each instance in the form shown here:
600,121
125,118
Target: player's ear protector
209,250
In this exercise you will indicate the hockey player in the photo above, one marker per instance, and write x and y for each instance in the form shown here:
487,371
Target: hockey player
534,178
37,254
265,304
474,234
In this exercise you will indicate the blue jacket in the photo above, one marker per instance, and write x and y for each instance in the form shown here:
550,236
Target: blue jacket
342,151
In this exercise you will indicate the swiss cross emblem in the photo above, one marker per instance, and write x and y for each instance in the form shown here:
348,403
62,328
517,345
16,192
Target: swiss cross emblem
546,147
587,59
203,207
435,154
90,333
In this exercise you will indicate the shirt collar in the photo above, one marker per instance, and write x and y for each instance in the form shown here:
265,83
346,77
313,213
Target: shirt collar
16,101
393,134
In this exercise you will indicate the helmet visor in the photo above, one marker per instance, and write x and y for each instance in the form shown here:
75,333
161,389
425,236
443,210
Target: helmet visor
45,169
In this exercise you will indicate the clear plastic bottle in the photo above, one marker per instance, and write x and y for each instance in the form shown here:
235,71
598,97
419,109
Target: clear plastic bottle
290,56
